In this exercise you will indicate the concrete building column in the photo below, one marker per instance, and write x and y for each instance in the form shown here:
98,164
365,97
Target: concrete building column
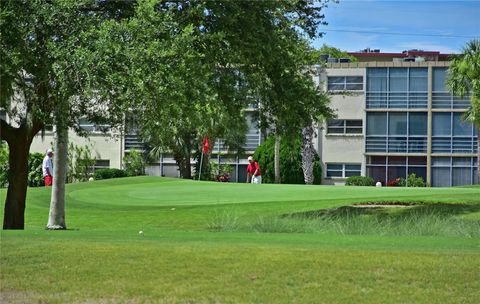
429,125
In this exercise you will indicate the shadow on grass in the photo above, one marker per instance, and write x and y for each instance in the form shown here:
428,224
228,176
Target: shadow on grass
438,209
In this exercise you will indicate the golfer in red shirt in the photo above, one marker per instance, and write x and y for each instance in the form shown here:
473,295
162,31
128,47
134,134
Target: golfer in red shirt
253,172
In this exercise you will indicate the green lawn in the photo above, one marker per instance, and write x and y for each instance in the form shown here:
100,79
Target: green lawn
240,243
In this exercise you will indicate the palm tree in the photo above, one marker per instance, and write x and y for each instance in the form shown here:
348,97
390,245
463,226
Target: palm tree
464,79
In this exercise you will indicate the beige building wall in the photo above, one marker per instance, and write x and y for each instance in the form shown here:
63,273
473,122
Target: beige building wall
346,148
103,146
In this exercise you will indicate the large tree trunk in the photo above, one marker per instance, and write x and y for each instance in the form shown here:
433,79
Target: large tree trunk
308,154
56,217
183,163
19,141
14,213
278,179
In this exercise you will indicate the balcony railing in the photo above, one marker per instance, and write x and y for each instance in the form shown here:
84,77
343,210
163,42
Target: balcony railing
397,100
446,100
396,144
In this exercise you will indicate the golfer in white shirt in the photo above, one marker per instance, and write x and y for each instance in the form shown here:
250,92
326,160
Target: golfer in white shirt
47,168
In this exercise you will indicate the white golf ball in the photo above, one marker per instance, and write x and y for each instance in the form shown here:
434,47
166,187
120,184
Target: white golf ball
90,179
140,232
172,209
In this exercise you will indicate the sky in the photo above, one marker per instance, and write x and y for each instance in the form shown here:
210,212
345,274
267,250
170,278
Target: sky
443,26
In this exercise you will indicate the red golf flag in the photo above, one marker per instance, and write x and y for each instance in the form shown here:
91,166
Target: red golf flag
205,145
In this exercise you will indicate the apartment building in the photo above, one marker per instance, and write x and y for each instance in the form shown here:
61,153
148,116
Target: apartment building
110,147
396,117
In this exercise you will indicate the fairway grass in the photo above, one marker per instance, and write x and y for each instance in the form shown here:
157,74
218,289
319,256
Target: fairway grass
182,256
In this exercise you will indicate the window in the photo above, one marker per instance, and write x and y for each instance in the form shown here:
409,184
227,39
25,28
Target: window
343,170
452,135
454,171
442,124
387,168
460,127
377,80
398,79
343,126
417,124
439,78
102,164
345,83
397,124
418,81
376,123
407,132
397,88
89,126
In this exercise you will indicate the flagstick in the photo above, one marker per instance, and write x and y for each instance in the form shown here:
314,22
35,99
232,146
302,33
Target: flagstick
201,163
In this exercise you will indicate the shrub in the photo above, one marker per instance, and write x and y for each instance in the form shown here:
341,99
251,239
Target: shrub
35,173
80,163
412,181
109,173
360,181
220,172
290,161
3,164
394,182
134,163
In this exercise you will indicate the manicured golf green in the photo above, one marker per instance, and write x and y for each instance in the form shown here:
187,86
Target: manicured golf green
205,242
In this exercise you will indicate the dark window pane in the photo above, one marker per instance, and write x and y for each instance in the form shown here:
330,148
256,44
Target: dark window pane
353,167
336,79
376,123
460,127
335,130
398,80
462,161
418,124
380,160
441,124
441,161
377,72
351,130
355,79
334,173
354,86
397,124
334,167
354,123
441,177
377,79
439,78
352,173
418,79
336,87
396,172
377,173
419,172
461,176
417,160
397,160
335,123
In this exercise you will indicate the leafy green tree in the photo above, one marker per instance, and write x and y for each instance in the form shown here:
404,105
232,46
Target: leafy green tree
464,80
290,161
134,163
81,163
333,52
37,41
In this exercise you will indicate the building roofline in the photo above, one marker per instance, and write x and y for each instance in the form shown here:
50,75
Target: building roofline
381,64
